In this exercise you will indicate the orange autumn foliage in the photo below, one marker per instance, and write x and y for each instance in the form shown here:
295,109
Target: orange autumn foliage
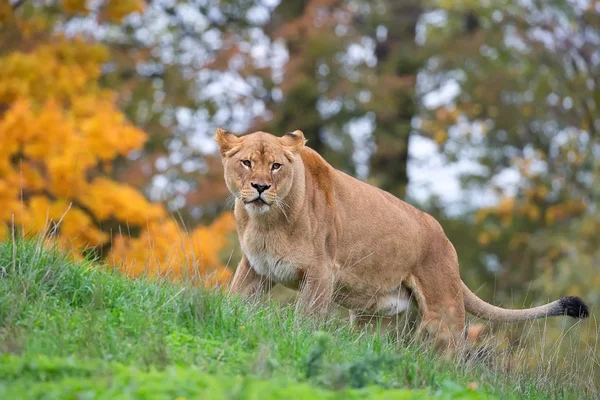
60,132
164,249
530,208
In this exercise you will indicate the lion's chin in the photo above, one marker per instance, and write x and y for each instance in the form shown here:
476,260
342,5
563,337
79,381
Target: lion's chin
257,207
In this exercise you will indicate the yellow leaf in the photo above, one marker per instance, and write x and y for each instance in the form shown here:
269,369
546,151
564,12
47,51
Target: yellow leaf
74,6
440,136
533,212
116,10
484,238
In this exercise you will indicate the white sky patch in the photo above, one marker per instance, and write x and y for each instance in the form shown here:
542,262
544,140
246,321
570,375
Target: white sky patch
436,18
427,172
361,131
443,95
258,14
430,174
508,180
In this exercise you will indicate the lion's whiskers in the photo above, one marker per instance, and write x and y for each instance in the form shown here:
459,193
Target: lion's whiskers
283,203
229,203
280,203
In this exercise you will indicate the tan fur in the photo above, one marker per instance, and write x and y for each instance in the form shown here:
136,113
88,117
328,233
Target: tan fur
338,239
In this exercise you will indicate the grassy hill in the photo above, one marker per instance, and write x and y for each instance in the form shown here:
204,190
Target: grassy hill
78,331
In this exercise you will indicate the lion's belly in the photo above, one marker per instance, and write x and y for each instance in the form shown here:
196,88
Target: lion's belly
392,304
387,305
367,299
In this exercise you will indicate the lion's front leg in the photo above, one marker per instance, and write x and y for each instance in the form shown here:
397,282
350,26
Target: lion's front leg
247,282
316,291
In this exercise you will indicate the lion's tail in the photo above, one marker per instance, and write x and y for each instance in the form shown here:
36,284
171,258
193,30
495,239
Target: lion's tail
571,306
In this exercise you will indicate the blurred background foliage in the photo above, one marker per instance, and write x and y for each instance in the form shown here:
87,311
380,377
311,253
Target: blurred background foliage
107,109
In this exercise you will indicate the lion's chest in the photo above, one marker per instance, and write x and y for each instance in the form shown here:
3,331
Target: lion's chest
273,267
269,258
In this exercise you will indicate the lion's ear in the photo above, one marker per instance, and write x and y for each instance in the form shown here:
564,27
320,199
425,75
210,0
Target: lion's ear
294,141
227,142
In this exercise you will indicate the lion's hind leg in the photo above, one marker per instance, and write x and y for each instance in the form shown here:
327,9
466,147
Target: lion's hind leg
441,306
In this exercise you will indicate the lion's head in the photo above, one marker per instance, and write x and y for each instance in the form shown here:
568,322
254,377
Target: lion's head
259,166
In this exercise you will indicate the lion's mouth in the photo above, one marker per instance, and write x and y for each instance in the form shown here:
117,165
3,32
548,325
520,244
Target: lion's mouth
257,201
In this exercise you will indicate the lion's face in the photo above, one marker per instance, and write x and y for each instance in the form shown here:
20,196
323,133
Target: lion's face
259,167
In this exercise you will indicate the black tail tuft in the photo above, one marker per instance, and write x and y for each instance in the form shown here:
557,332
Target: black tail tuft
574,307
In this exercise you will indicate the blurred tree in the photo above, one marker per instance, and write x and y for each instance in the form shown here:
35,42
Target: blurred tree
181,69
394,103
313,89
527,111
344,72
349,83
61,133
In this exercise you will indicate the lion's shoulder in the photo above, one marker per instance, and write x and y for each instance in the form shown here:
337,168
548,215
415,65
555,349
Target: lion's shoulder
318,169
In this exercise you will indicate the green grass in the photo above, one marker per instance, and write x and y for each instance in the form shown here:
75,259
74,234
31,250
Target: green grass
78,331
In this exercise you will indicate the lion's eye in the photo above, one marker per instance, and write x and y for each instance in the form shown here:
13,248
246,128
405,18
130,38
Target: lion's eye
247,163
275,166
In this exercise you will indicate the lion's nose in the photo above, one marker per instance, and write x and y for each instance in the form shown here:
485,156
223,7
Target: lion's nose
260,187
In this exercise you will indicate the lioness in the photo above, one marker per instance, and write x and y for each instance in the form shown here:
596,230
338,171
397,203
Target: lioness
310,227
